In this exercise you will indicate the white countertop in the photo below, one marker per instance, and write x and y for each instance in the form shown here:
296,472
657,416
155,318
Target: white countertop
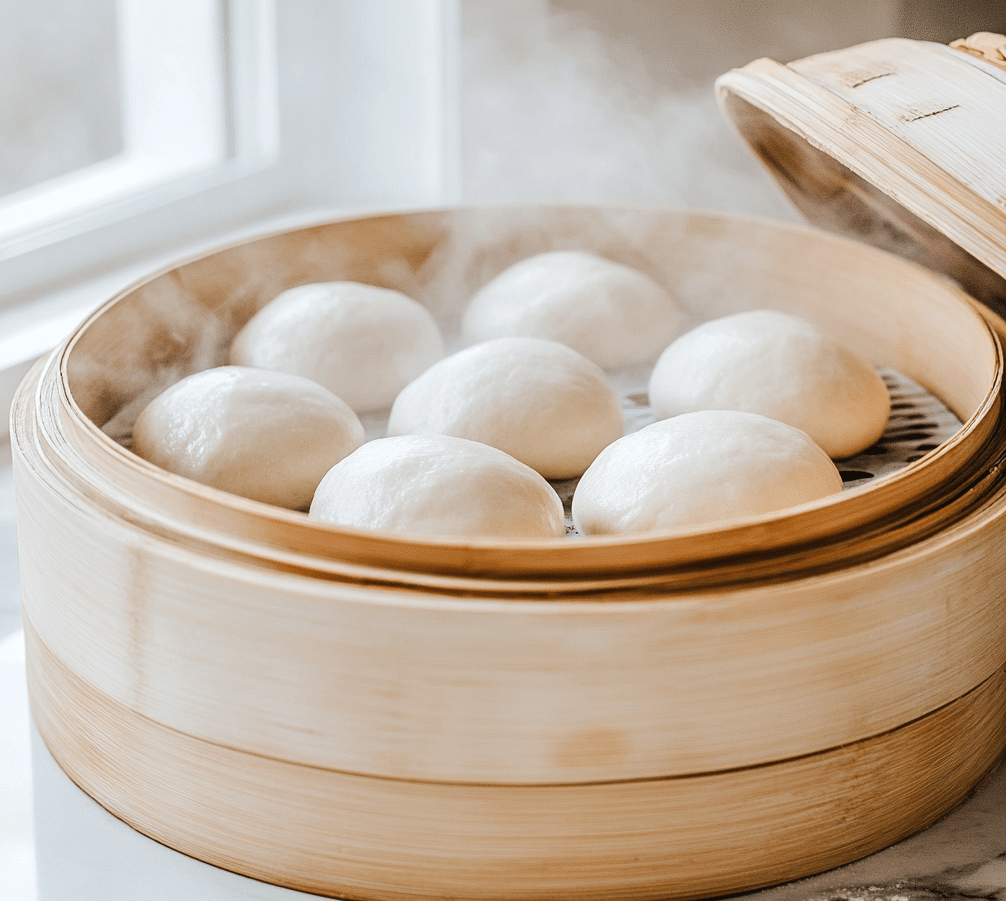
56,844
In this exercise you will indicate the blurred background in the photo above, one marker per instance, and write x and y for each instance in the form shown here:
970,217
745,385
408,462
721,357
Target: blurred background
612,100
568,99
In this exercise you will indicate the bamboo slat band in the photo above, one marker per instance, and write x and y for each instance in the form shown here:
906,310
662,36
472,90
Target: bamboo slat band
382,840
987,45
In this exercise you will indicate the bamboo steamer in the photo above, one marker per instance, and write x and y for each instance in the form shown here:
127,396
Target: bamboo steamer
379,716
894,142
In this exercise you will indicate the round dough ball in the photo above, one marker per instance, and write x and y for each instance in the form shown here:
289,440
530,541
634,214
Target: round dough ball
613,314
780,366
439,485
701,468
265,435
361,342
538,400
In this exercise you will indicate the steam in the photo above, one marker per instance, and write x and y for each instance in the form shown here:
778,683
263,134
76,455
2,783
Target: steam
552,110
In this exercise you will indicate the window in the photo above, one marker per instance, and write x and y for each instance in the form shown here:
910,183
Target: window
58,105
275,110
172,119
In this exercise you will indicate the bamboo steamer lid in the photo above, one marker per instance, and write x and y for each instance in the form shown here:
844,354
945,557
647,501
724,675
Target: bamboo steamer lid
383,717
895,142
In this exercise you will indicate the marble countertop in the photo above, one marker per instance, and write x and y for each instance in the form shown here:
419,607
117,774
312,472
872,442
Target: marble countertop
56,844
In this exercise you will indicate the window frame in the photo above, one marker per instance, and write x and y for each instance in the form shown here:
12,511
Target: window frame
172,106
299,151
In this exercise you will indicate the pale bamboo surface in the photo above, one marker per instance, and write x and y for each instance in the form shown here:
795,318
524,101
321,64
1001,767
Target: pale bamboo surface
985,45
896,313
361,838
895,141
424,684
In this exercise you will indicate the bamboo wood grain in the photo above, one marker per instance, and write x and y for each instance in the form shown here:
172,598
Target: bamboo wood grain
425,685
987,46
933,101
895,141
361,838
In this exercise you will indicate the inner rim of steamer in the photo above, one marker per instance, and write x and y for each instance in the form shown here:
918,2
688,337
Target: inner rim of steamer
182,320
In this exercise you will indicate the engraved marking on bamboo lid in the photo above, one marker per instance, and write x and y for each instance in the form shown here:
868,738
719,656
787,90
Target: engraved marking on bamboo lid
895,142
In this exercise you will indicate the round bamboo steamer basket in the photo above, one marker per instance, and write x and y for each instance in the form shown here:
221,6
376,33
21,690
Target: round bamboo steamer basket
379,716
209,668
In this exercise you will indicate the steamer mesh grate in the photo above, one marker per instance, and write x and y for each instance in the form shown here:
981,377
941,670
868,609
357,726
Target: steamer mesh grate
919,423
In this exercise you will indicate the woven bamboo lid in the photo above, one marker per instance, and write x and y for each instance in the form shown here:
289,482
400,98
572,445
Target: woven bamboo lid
895,142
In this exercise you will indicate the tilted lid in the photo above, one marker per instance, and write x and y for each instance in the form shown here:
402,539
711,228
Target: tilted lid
899,143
